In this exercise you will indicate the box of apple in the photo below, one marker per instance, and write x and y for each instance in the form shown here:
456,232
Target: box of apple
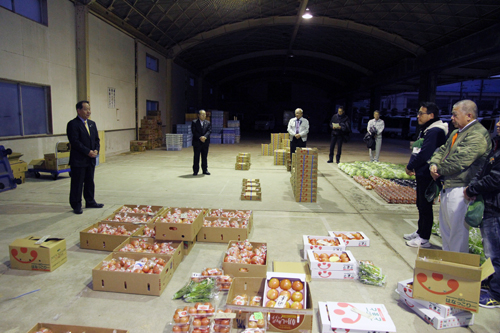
285,290
331,243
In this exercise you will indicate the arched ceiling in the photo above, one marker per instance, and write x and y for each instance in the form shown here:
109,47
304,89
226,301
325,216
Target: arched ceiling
349,45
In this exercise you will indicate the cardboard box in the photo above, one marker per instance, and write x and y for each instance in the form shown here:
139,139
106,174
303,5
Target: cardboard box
142,209
405,288
250,180
231,213
129,218
323,245
106,242
349,239
251,196
18,166
47,256
292,277
242,166
242,159
38,163
354,317
251,189
188,246
245,270
177,255
464,318
14,157
279,320
351,265
293,267
58,328
450,278
132,283
179,231
222,235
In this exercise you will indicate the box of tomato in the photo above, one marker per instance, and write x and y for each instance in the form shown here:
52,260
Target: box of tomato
322,243
351,238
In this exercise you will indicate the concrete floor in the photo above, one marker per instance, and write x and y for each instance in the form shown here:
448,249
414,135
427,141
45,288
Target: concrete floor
40,207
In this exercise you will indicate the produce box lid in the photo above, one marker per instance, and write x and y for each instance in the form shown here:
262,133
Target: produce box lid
293,267
14,157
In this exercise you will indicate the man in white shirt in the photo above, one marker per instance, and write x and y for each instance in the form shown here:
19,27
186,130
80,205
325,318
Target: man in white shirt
298,128
376,127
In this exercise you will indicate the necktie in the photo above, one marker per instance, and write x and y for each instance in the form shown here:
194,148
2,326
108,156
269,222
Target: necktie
297,125
87,127
454,139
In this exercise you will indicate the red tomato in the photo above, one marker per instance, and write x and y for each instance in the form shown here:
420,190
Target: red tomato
297,285
297,296
285,284
274,283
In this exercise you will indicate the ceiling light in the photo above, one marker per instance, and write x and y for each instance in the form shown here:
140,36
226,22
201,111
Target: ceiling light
307,15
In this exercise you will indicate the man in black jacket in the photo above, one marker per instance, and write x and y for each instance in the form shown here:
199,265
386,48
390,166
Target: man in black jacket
340,127
432,135
84,140
201,129
487,183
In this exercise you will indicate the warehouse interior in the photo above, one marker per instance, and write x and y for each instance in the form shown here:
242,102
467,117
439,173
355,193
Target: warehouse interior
242,57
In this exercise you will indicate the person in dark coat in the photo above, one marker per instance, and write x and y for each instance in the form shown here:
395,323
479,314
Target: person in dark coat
432,135
340,128
201,129
84,141
487,183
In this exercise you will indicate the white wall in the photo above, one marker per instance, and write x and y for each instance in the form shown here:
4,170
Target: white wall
34,53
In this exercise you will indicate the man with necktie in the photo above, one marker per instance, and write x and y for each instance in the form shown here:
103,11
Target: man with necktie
298,128
84,140
201,129
455,164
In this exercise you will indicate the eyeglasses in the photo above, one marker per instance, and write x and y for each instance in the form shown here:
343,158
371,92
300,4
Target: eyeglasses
420,113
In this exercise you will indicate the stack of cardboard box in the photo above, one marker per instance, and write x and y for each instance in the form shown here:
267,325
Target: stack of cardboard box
305,174
150,130
251,190
280,156
138,145
18,166
242,161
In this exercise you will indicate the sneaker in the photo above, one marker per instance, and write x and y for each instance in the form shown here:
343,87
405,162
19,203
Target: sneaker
411,236
418,242
486,301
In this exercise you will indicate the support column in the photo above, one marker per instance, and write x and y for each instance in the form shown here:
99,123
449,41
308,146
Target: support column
169,105
374,100
428,85
82,52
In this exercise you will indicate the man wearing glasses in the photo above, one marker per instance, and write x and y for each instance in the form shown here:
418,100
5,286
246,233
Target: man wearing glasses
432,135
455,164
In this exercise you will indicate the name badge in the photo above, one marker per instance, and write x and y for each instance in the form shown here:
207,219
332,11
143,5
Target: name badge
416,150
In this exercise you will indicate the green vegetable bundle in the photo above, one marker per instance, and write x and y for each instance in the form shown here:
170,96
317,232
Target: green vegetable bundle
201,291
370,274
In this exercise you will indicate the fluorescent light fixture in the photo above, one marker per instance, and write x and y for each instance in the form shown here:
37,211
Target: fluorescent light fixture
307,15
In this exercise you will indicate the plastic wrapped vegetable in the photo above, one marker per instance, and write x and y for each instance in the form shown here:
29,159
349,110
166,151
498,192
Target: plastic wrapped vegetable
370,274
202,291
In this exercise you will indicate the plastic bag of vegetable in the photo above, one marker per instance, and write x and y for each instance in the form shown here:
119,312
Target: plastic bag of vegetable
370,274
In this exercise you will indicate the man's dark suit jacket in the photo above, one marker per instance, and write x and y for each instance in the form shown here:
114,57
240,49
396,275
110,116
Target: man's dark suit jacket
82,143
199,131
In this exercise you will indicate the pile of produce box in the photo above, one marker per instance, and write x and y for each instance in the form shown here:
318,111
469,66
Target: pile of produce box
242,161
304,177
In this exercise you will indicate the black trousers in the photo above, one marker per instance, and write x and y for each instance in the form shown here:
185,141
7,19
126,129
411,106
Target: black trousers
203,151
296,143
82,180
425,213
336,139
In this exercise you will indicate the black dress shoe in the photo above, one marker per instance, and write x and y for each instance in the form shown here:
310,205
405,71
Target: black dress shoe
96,205
195,173
77,211
329,161
206,173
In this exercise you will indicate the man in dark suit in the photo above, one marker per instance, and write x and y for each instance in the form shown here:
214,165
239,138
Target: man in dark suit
201,129
84,141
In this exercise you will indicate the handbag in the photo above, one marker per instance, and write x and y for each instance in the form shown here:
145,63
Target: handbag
475,210
432,191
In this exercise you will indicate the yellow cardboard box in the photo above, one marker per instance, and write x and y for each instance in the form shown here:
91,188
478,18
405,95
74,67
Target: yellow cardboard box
450,278
47,256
